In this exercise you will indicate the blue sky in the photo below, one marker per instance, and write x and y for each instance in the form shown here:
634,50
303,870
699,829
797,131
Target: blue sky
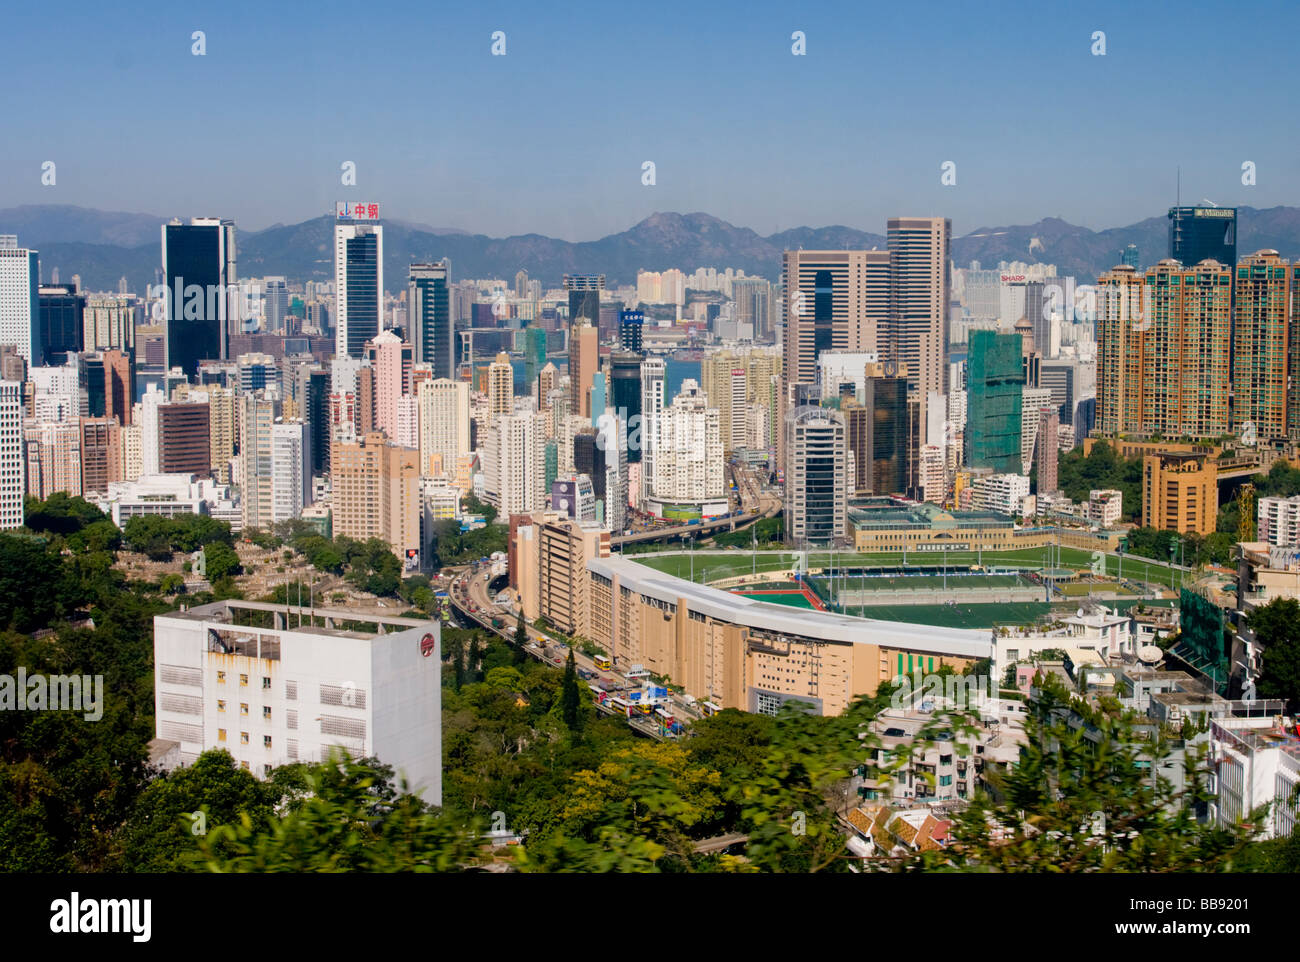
551,137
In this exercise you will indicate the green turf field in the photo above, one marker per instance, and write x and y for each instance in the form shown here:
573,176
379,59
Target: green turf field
958,616
925,582
729,564
793,599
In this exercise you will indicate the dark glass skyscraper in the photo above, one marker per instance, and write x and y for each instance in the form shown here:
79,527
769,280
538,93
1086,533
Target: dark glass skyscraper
62,324
358,286
625,390
1200,233
631,325
584,296
198,263
429,302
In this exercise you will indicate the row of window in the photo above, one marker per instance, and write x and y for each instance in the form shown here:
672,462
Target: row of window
243,738
243,681
243,708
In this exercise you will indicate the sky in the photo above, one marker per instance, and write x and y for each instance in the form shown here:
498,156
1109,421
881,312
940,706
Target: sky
551,138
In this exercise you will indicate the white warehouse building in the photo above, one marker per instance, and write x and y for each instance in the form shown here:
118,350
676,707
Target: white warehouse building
276,696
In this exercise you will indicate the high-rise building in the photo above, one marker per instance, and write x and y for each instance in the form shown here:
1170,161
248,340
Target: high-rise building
834,301
994,394
1180,492
257,370
432,331
376,493
584,356
316,407
652,406
884,440
514,463
688,461
501,385
53,453
62,323
109,323
276,295
390,365
200,300
631,326
584,297
258,414
101,454
1203,233
752,297
625,391
534,359
183,439
13,485
1163,350
444,425
358,286
1260,346
1047,450
919,293
1129,256
290,469
20,306
816,476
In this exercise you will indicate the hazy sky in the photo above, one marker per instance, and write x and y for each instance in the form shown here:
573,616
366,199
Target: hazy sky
551,137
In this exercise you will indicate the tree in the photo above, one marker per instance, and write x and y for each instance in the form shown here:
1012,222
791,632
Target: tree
1277,629
570,697
521,640
221,561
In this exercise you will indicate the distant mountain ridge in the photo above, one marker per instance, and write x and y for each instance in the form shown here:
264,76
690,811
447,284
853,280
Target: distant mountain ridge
103,246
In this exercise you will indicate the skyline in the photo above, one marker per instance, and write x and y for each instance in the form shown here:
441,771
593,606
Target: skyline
494,145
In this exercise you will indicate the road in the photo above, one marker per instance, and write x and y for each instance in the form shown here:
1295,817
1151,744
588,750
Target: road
755,504
470,595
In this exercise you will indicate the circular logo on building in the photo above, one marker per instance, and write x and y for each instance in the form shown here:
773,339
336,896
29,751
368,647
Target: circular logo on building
427,644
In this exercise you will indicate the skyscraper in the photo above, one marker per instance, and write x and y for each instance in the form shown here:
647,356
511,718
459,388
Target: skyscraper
584,348
652,406
625,391
1203,233
501,385
290,469
20,309
1260,341
631,325
816,476
835,300
994,392
277,304
62,323
444,425
432,334
201,296
584,297
1163,350
12,481
358,285
1048,449
534,358
885,437
919,294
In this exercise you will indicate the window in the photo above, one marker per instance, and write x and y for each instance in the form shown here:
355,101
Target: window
266,684
244,765
221,678
266,770
266,712
945,780
221,734
243,708
243,681
243,738
266,741
221,704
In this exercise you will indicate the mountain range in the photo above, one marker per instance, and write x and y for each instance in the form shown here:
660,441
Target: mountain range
103,246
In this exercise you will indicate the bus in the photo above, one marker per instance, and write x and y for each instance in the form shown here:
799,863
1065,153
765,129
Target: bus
621,705
707,708
602,662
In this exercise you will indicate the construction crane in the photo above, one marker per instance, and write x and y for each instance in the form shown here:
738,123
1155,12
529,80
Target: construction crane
1246,512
